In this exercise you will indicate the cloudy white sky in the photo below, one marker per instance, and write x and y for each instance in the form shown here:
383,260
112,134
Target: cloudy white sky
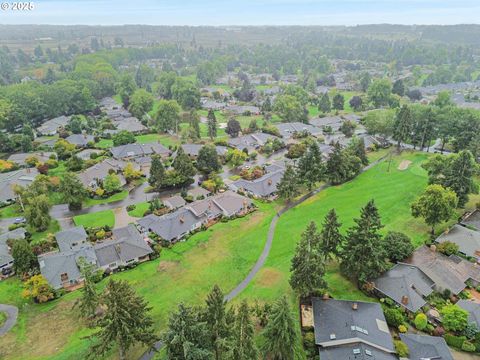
245,12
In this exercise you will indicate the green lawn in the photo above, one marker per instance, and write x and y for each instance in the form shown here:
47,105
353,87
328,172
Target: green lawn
3,318
39,236
223,255
115,197
165,140
97,219
139,209
392,191
59,171
10,211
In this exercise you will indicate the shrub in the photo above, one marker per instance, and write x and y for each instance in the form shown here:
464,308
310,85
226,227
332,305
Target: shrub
421,321
394,317
468,346
455,341
471,330
131,207
402,329
100,234
454,318
448,248
401,348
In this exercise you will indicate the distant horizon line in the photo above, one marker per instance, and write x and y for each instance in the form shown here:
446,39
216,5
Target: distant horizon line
244,25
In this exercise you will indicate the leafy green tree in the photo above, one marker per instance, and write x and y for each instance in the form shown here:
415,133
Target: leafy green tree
281,338
398,246
233,128
398,87
24,260
324,103
216,322
37,213
338,102
454,318
75,163
288,187
348,128
331,238
443,99
123,137
236,157
38,288
144,76
165,83
243,345
357,148
402,125
363,255
125,88
356,103
365,81
89,300
111,183
157,173
380,122
141,102
72,191
212,124
448,248
307,269
75,124
289,109
26,144
126,321
207,160
187,336
435,205
311,168
379,92
167,116
267,106
186,93
28,131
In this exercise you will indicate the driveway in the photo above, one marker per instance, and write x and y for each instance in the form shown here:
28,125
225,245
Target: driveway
12,314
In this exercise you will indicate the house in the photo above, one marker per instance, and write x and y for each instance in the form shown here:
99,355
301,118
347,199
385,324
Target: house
22,177
126,247
288,130
21,158
198,193
94,175
176,225
62,268
472,220
351,330
468,241
423,347
405,284
192,150
87,154
251,141
80,140
50,127
263,187
447,272
335,122
473,309
243,109
130,151
130,124
212,104
174,202
6,259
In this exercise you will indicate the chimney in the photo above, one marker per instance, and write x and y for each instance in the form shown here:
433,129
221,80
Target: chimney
355,306
404,300
270,182
118,248
182,219
433,248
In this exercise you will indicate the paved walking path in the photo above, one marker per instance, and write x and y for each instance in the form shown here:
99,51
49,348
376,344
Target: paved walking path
12,314
266,251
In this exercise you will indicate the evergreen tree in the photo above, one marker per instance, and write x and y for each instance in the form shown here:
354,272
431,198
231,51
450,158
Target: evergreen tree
267,106
89,301
357,148
212,124
187,337
194,121
233,128
215,318
281,338
24,260
338,102
342,165
288,187
157,173
310,166
126,321
243,345
207,160
37,212
459,176
363,255
402,125
183,164
308,268
324,103
72,190
332,239
398,87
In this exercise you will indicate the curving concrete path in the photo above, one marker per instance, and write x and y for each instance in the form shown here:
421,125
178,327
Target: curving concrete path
12,314
148,355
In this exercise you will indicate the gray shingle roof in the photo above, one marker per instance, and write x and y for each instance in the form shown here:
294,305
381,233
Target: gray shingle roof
130,124
468,241
174,202
356,351
99,171
288,129
250,141
80,139
23,177
71,238
262,187
473,220
17,234
405,282
337,322
20,158
473,309
51,126
194,149
426,347
136,150
231,203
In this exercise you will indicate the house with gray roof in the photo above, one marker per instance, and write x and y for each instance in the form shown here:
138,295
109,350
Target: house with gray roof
192,150
264,187
472,220
22,177
473,309
86,154
198,192
130,124
93,176
335,122
80,140
174,202
20,159
50,127
351,330
243,109
71,239
447,272
6,259
288,130
130,151
423,347
251,141
468,241
405,284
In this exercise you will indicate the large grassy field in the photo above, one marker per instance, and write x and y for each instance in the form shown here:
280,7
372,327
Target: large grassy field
165,140
221,255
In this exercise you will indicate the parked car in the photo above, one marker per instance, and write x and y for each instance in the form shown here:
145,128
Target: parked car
20,220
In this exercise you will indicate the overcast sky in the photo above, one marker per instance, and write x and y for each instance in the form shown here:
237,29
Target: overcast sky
245,12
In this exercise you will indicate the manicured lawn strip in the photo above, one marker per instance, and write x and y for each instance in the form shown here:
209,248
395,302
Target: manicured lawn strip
164,139
59,171
3,318
97,219
223,255
38,236
115,197
140,209
10,211
393,192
